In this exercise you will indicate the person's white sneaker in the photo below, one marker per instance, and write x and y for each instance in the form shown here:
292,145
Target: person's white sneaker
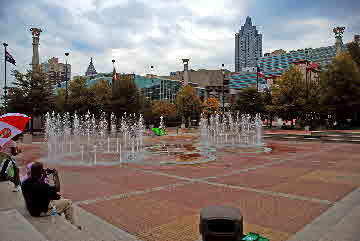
17,189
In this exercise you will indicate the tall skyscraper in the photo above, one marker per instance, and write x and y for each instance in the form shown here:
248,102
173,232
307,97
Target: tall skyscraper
248,46
91,69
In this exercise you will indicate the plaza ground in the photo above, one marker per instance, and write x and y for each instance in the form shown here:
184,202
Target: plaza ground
278,192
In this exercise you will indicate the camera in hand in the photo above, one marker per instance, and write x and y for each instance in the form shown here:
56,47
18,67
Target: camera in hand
49,171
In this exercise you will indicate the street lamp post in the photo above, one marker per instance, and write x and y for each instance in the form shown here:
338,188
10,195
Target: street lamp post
5,88
257,75
66,80
113,78
223,86
152,82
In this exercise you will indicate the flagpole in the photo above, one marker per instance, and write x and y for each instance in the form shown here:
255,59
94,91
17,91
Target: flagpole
5,89
66,83
257,76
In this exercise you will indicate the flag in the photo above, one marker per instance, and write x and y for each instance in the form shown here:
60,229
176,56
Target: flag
259,73
115,75
9,58
312,67
11,124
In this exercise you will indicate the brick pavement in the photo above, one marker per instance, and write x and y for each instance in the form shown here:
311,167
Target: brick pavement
278,192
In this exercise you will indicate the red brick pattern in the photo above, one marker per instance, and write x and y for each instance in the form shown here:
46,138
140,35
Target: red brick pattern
315,189
278,213
253,180
274,212
177,208
107,181
139,213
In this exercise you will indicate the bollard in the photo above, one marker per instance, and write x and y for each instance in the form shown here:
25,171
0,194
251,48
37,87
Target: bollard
221,223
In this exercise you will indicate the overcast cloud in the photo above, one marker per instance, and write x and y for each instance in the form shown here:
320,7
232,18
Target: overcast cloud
141,33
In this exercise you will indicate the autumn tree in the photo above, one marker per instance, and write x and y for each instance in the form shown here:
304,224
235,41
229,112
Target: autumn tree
165,109
188,104
354,51
210,106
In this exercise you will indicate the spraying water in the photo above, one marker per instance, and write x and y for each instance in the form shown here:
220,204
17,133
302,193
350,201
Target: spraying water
85,140
230,130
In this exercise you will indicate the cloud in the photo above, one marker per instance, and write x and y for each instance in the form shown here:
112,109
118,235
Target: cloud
141,33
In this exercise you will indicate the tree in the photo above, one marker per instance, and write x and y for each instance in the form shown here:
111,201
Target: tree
125,96
101,92
165,109
340,86
146,109
270,108
249,101
80,98
354,51
60,100
32,94
210,107
289,94
188,104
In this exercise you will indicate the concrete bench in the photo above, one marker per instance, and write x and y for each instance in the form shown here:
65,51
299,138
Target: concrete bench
93,227
13,226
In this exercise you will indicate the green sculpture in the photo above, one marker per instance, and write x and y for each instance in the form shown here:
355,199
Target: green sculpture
159,131
254,237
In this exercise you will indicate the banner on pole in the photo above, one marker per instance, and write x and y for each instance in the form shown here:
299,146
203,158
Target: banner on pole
9,58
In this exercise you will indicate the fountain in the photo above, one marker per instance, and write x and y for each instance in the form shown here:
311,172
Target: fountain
91,140
232,131
107,140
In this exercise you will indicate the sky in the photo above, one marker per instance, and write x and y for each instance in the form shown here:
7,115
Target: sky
141,33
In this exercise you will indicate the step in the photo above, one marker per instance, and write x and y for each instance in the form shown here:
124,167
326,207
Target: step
94,228
13,226
321,225
100,229
347,229
60,230
9,199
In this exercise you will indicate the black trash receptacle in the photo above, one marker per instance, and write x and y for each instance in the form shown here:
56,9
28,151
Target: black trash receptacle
221,223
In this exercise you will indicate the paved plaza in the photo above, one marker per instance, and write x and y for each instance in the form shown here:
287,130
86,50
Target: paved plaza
278,192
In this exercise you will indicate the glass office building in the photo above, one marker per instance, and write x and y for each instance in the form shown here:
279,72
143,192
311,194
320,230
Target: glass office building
277,64
153,88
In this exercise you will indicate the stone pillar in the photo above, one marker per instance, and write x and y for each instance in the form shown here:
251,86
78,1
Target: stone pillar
339,31
36,37
186,75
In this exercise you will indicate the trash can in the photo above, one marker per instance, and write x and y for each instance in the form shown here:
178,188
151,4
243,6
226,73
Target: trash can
221,223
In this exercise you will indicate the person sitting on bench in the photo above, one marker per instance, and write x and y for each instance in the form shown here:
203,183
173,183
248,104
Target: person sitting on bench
41,197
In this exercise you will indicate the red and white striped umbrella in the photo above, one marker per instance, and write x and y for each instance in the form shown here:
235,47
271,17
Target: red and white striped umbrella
12,124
